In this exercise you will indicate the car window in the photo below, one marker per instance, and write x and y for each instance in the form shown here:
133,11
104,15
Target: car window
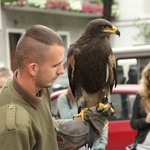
129,69
122,103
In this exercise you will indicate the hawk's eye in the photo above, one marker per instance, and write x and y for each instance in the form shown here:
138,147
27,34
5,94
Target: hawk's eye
109,27
105,27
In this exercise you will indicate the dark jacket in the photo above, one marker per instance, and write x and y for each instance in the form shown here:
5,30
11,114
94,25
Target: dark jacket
138,120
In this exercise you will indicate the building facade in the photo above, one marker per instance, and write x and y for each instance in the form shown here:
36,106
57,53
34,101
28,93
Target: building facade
70,25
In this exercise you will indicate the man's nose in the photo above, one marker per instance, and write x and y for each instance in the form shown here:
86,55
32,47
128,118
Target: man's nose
60,69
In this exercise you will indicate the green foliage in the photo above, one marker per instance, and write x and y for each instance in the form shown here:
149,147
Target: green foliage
8,1
115,9
94,1
144,32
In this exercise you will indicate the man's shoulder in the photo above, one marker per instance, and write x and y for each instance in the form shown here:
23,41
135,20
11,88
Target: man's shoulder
14,117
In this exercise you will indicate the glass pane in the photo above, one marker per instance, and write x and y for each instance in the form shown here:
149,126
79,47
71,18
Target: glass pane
122,103
129,69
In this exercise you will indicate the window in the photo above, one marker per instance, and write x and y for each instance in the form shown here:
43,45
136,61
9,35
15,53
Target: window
122,103
129,69
12,37
66,39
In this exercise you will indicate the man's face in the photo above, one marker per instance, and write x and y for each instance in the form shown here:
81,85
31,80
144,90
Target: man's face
50,71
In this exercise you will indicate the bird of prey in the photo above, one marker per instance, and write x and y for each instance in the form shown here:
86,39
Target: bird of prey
91,64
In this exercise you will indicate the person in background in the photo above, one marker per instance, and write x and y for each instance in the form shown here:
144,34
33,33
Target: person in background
5,73
140,119
26,121
67,107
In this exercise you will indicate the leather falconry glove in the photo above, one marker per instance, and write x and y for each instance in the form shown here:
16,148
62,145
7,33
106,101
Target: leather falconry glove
74,133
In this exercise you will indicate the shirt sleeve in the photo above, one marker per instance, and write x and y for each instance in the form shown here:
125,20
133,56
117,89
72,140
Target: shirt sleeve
64,109
138,115
14,140
14,131
100,144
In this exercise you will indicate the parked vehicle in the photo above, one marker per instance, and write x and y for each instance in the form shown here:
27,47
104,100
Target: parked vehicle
120,133
130,61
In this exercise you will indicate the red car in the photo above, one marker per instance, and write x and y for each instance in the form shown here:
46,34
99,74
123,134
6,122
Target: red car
120,134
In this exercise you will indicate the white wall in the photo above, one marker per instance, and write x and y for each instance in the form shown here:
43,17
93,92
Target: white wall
129,12
20,20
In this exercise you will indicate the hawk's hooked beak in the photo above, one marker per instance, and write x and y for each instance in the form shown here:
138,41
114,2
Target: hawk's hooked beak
113,30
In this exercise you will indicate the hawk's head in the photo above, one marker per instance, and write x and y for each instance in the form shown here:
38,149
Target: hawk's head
101,27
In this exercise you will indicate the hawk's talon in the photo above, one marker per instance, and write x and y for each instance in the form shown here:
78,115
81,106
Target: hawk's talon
81,114
104,106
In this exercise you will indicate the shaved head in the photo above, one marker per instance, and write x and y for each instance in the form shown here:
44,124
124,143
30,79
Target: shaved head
33,46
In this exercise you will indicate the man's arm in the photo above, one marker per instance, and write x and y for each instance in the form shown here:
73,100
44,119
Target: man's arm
14,126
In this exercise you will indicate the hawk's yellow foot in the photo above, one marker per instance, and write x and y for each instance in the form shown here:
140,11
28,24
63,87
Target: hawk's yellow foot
101,105
81,114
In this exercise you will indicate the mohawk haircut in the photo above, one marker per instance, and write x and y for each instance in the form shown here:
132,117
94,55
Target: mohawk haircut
34,44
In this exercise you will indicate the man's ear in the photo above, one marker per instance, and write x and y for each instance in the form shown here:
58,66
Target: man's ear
33,69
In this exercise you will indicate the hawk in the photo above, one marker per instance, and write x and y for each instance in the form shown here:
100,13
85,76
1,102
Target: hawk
91,65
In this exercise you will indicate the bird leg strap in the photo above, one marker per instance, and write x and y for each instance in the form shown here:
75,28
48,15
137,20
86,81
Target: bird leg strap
74,133
107,108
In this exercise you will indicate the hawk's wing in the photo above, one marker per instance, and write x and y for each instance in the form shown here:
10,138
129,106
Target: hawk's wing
71,69
72,52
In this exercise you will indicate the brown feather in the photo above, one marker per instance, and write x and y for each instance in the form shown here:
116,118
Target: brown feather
88,59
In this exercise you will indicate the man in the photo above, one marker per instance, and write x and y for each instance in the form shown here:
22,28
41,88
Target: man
25,114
